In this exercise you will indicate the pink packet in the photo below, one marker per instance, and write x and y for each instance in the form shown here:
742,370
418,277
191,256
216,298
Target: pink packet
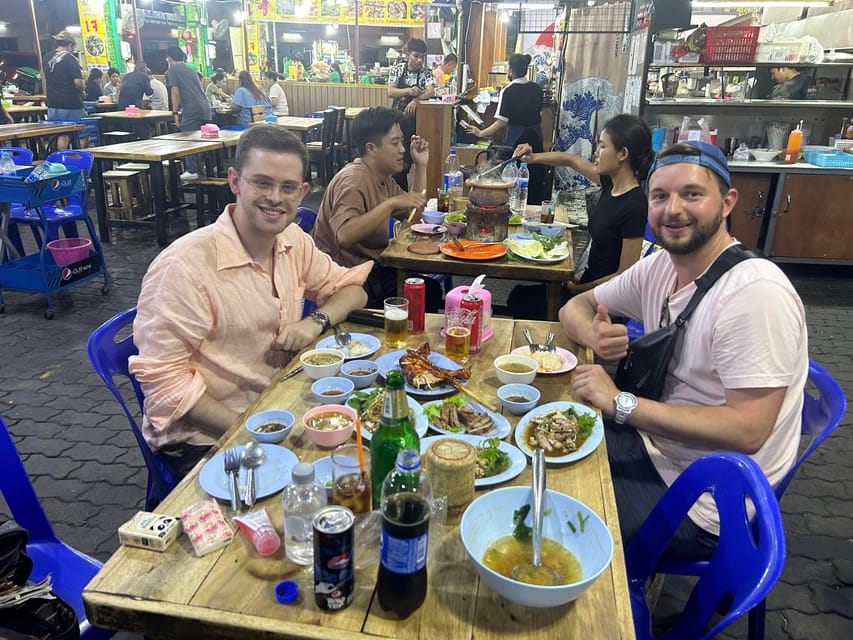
206,527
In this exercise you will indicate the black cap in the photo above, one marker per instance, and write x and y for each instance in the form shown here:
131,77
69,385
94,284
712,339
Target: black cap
63,38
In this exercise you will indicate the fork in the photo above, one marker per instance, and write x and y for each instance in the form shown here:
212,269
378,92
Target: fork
232,468
527,336
342,338
548,340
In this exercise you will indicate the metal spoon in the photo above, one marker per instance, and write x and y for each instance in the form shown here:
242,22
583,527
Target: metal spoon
253,455
536,572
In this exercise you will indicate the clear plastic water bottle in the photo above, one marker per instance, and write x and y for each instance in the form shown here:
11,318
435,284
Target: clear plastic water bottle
7,165
301,499
522,181
452,171
509,174
406,503
39,173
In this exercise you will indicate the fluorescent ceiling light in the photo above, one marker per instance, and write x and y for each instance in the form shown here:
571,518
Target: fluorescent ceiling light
517,5
711,4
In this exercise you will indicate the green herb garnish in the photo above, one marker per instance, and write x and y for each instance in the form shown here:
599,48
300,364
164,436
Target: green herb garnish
496,459
586,421
581,521
521,532
434,410
547,242
361,400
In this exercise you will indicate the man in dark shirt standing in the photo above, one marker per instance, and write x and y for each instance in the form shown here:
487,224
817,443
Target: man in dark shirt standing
790,85
134,87
64,83
187,95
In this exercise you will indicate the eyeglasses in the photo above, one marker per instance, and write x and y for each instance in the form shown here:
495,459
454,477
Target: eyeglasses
266,186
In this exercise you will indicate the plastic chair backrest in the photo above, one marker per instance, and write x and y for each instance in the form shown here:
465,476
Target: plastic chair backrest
20,155
306,218
340,118
328,135
109,357
78,159
70,569
749,555
635,328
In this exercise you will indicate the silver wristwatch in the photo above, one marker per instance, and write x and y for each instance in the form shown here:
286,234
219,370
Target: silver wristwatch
322,318
625,404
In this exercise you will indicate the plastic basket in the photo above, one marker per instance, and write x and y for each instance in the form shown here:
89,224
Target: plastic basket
730,44
66,251
833,159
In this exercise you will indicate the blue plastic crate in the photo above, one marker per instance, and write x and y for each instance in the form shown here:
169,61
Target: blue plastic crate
32,194
832,159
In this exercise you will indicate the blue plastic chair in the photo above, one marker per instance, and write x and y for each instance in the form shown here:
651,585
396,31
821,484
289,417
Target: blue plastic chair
306,218
20,155
635,328
109,357
820,416
748,559
70,569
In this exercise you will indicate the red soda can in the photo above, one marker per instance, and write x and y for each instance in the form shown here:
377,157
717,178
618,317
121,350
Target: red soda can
474,303
414,290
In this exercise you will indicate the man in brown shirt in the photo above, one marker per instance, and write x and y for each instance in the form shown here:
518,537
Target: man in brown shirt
353,221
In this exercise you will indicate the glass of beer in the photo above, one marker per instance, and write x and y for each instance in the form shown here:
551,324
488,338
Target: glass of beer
457,334
396,322
350,483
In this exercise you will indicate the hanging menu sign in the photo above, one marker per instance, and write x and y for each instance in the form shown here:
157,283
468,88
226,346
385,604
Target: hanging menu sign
253,42
392,13
387,13
93,33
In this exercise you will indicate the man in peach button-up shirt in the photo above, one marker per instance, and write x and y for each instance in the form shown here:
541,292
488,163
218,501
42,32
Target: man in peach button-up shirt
220,310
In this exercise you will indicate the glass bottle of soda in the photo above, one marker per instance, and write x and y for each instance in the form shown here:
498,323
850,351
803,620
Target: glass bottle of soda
401,585
395,432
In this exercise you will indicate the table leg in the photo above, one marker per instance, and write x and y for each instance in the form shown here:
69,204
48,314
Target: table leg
553,293
158,187
100,199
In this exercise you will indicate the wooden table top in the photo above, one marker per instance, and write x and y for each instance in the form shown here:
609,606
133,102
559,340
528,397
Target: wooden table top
398,256
31,108
352,112
144,114
21,130
153,149
229,593
296,123
37,97
226,136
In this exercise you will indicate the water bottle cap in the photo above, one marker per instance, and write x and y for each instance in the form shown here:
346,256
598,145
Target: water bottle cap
409,460
523,164
286,591
453,152
302,473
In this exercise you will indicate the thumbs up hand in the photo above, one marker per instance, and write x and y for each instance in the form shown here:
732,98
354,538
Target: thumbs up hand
610,340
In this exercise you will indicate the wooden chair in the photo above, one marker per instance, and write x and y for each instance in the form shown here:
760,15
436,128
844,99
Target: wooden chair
258,112
321,154
127,198
341,146
144,181
211,196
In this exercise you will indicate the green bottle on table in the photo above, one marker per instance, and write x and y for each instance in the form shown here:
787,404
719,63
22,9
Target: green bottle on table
395,432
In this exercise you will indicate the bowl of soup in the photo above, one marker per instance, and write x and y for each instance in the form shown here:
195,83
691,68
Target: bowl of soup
321,363
271,426
362,373
329,424
576,544
334,390
515,369
518,399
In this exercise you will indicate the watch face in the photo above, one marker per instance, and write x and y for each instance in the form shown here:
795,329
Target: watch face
626,401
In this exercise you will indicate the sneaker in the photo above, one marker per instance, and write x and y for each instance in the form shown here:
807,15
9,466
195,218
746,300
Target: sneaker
186,176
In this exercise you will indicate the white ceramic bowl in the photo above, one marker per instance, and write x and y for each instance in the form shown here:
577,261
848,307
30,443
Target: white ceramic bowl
765,155
356,371
333,390
510,377
517,408
433,217
276,416
317,371
489,517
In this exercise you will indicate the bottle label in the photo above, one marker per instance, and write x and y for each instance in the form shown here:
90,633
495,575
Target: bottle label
454,179
403,555
521,183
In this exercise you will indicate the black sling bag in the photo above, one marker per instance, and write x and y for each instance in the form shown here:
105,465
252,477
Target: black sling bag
643,371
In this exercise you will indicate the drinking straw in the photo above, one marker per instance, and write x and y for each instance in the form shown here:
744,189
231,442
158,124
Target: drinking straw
412,214
358,442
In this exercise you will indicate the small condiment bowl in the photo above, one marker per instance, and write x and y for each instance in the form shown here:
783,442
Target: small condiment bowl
511,397
333,390
456,228
272,416
362,373
433,217
329,438
507,376
317,371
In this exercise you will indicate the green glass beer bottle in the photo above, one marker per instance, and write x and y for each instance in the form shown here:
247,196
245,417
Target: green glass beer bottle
395,432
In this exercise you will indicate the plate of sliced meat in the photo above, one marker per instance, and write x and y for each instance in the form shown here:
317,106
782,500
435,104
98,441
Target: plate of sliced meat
456,415
566,431
427,373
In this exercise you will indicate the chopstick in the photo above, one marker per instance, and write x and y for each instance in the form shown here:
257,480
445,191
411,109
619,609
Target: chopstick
360,445
497,166
414,209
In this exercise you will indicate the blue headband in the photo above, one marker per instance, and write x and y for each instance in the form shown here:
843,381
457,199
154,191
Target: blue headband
709,157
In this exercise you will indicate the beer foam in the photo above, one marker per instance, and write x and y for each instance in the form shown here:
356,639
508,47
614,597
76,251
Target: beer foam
396,314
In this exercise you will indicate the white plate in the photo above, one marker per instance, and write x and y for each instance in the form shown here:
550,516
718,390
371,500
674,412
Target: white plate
421,422
389,361
517,460
501,429
371,342
570,360
588,447
553,260
272,476
428,229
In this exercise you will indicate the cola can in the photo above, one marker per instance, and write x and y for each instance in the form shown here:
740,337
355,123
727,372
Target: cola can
474,303
414,290
334,569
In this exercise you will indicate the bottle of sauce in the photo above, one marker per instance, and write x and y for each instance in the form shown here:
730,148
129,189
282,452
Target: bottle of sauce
395,432
401,584
795,140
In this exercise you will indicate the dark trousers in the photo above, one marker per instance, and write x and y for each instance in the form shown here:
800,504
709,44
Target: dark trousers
181,458
638,488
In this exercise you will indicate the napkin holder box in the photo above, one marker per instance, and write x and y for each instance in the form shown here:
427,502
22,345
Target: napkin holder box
150,531
453,301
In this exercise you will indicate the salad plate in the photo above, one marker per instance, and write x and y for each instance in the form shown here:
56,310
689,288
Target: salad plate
518,249
587,447
421,422
517,460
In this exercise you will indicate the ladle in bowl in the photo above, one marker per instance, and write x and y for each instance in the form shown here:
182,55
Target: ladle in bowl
536,572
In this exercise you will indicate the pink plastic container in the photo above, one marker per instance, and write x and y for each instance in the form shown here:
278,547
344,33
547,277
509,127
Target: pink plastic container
66,251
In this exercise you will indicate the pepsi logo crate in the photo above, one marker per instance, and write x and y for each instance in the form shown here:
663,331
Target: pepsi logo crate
32,194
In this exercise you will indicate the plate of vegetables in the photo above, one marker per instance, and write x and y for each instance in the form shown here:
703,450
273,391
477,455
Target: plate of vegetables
369,404
456,415
497,461
566,431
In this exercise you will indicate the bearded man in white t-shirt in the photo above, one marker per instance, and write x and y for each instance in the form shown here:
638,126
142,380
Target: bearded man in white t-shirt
735,382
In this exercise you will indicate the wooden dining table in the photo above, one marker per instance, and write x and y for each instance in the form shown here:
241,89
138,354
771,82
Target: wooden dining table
506,267
26,113
33,131
229,593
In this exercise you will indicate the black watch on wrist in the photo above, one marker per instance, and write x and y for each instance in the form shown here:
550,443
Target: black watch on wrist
322,318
